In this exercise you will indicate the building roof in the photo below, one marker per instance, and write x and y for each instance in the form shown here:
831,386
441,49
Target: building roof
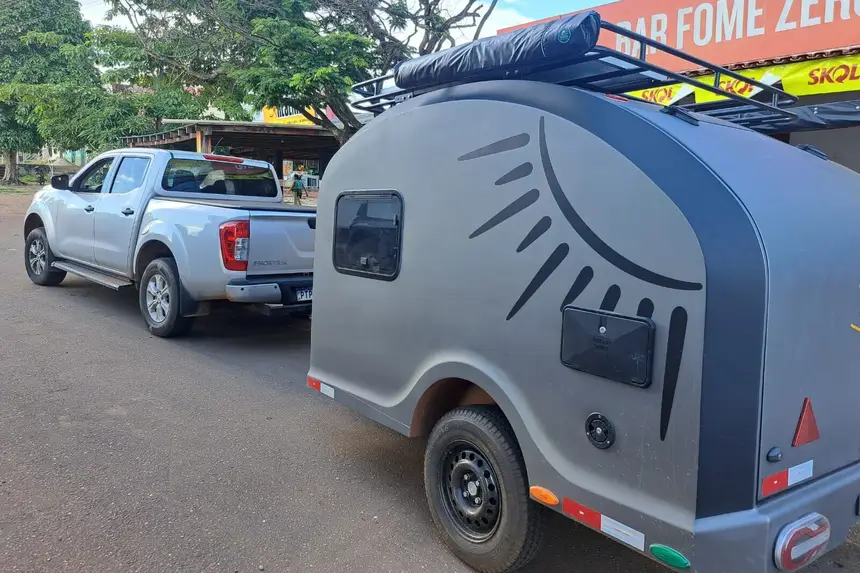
297,141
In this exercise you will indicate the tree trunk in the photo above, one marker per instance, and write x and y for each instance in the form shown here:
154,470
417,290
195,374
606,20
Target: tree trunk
10,177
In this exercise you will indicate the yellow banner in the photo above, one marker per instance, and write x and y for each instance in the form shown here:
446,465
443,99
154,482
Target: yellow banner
831,75
272,115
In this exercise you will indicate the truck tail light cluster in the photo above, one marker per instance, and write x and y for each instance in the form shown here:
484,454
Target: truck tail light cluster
802,542
235,244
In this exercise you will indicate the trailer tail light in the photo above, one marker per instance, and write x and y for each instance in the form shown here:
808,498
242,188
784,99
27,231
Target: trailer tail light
801,542
235,244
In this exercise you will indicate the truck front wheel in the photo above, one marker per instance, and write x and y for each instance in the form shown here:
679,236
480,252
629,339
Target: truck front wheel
38,258
476,485
159,299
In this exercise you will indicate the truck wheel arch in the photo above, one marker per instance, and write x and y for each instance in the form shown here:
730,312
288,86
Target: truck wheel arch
33,221
442,397
151,250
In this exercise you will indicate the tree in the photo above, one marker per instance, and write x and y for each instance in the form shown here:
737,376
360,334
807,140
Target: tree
304,54
37,40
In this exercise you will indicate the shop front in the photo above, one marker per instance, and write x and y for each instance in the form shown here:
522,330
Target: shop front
809,48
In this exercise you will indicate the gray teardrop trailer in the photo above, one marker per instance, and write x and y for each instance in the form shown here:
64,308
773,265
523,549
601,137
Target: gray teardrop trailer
641,317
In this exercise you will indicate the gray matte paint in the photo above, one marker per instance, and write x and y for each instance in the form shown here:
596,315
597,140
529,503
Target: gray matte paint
382,344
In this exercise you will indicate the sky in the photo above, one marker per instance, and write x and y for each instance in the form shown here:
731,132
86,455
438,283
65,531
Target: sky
507,12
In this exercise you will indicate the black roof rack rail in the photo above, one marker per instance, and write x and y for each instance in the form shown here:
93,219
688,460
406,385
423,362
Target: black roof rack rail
610,71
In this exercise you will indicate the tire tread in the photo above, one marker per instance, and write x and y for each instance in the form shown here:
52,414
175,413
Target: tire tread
493,422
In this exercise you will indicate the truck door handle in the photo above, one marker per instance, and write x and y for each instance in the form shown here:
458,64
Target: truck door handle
89,208
127,211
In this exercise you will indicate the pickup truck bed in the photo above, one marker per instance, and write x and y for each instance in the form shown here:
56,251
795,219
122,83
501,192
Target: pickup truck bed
249,205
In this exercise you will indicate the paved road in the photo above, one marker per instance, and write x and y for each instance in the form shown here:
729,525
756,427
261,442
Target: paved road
124,452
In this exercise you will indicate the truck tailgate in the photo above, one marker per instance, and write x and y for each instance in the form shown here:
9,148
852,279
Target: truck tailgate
282,242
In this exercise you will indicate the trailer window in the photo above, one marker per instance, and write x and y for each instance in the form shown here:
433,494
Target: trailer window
368,233
219,178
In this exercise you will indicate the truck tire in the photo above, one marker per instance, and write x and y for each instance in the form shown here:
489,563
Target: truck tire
159,299
476,485
38,259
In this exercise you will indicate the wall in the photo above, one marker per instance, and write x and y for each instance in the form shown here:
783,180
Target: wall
841,145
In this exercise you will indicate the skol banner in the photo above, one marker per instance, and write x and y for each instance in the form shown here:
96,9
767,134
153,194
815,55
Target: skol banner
831,75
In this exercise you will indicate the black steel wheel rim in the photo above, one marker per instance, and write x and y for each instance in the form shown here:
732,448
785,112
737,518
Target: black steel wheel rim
470,492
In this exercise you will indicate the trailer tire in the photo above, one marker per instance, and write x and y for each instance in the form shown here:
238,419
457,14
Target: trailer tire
477,489
160,284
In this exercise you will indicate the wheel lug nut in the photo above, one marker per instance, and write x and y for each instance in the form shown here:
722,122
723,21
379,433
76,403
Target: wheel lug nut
477,501
465,494
467,477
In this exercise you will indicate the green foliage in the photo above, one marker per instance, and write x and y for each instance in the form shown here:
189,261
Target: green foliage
39,41
299,53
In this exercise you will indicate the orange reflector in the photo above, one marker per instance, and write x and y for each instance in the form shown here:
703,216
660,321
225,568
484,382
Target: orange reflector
543,495
807,427
314,384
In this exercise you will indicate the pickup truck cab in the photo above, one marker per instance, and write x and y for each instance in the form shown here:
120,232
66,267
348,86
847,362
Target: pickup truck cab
185,228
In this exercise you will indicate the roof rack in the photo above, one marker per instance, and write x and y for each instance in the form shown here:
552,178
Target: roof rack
610,71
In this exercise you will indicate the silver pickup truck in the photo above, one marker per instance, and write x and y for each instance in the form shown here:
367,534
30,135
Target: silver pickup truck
185,228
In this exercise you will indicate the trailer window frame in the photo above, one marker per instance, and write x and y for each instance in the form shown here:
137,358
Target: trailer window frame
337,243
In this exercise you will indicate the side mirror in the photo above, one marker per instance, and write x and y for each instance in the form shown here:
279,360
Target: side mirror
60,182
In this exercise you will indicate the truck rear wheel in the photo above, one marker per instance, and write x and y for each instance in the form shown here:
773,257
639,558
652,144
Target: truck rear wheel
159,299
476,485
38,259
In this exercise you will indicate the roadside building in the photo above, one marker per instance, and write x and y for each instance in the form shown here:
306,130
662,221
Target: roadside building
809,48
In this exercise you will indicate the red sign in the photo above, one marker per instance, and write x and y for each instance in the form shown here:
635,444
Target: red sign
731,31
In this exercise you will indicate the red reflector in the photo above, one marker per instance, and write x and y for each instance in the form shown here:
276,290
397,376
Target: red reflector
616,97
807,427
314,384
801,542
581,513
774,483
235,244
223,158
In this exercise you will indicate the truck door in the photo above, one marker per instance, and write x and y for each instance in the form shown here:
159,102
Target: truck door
74,233
117,213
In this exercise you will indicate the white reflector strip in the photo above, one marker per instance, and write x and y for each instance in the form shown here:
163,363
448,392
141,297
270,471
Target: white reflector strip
807,546
799,473
326,390
623,533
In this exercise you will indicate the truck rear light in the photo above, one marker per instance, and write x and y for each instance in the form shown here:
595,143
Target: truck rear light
223,158
802,542
235,244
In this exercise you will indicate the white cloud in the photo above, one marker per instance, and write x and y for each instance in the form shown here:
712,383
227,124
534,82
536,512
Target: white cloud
94,11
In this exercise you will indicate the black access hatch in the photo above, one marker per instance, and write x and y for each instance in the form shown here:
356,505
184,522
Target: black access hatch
609,345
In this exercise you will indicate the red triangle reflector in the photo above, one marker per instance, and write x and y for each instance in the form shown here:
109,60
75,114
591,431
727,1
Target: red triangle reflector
807,427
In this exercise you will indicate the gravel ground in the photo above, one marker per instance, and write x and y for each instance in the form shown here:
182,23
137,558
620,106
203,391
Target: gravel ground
124,452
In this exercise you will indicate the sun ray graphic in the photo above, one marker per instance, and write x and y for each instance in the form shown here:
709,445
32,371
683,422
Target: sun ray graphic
586,276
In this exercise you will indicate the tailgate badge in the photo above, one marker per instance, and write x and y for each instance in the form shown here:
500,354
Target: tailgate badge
807,427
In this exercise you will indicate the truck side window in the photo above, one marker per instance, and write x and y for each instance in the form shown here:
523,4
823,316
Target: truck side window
94,179
130,174
368,233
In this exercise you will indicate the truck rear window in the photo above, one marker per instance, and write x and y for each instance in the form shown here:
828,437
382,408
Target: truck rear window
218,178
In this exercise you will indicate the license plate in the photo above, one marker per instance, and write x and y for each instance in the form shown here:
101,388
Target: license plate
304,294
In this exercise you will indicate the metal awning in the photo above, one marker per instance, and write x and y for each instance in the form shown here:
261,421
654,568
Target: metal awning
242,138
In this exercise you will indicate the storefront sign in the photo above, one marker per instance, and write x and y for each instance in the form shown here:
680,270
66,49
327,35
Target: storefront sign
832,75
731,31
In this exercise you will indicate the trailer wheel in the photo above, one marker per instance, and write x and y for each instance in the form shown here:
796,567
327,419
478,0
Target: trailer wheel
476,485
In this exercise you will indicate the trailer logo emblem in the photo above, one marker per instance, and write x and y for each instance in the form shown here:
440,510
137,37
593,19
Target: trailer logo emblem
564,36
